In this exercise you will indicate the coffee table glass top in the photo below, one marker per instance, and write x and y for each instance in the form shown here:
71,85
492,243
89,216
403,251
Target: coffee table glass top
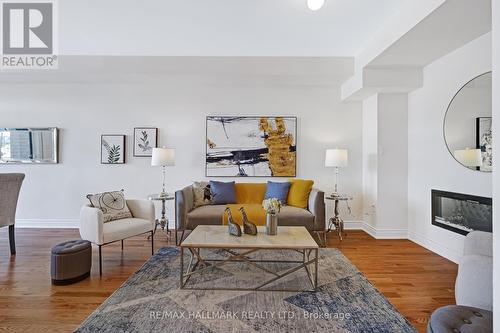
215,236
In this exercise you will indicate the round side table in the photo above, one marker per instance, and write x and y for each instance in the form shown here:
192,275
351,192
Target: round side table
336,221
163,220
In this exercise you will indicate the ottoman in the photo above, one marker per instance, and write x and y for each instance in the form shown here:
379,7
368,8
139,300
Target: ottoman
460,319
70,262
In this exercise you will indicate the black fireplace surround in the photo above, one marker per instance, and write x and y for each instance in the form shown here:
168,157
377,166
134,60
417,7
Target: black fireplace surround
461,213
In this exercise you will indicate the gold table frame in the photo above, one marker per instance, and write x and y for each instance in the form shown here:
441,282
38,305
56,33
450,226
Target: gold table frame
197,260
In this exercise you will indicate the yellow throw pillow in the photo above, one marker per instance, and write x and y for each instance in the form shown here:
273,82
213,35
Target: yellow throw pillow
298,196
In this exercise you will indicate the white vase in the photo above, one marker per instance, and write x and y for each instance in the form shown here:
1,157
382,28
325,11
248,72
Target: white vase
272,224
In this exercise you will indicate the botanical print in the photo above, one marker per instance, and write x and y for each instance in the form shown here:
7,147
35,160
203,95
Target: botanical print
251,146
484,142
145,139
113,149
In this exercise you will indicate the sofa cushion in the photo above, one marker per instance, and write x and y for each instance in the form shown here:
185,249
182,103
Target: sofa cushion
205,215
294,216
124,228
201,194
112,204
278,190
255,213
250,193
222,192
298,196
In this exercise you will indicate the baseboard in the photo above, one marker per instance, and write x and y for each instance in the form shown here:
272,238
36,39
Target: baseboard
433,246
385,233
353,225
47,223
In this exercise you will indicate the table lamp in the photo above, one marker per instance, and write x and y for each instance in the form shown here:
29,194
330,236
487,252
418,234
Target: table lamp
336,158
163,157
470,158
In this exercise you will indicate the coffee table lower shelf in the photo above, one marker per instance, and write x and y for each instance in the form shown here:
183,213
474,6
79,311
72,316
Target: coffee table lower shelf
198,264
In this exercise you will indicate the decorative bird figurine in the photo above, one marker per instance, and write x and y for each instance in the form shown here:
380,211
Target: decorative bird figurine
234,228
248,227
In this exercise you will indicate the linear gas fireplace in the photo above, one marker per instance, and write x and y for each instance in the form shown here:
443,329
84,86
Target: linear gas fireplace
461,213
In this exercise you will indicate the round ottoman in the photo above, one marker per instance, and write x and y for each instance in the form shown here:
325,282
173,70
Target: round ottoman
460,319
70,262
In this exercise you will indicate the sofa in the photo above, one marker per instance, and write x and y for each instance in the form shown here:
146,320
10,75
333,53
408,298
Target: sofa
249,196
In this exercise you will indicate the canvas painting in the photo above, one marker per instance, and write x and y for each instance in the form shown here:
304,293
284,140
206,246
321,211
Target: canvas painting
251,146
484,140
145,139
112,149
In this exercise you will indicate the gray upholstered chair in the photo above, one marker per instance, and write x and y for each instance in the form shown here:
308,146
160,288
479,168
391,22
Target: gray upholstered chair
10,185
474,285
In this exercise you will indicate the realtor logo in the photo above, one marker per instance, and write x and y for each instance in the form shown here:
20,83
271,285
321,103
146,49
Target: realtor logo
28,34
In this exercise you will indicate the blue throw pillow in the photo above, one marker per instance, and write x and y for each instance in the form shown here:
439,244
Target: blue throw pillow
278,191
222,193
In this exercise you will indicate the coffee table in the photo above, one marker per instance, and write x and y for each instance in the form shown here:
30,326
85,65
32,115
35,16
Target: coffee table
295,239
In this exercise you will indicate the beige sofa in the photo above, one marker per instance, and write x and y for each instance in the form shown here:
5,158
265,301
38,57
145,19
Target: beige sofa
188,217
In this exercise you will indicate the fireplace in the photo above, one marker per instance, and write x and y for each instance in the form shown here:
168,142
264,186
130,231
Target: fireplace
461,213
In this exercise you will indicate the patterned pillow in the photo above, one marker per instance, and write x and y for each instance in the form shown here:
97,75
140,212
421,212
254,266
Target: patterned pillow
112,204
201,192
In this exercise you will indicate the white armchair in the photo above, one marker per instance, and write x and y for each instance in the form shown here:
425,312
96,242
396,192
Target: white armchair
93,229
474,285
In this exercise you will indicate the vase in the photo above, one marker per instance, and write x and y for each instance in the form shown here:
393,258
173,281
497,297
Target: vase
272,224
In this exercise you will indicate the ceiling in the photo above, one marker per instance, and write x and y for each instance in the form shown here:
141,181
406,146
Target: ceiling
291,71
221,27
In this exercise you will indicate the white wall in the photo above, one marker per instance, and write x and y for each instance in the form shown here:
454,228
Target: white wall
370,143
53,194
430,165
385,165
496,154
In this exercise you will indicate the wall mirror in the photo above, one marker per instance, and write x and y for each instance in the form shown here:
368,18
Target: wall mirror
28,145
467,125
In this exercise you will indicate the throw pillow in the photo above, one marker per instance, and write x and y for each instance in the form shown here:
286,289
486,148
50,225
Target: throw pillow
112,205
201,193
222,193
278,190
298,196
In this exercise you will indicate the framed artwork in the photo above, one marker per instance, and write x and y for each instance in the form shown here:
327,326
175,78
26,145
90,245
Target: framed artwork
251,146
145,139
484,140
112,149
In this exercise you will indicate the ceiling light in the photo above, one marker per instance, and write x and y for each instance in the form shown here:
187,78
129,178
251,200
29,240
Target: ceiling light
315,4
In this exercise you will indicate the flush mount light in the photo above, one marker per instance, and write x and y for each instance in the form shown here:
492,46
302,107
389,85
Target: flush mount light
315,4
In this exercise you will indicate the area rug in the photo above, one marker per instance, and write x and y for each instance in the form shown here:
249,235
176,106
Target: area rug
151,301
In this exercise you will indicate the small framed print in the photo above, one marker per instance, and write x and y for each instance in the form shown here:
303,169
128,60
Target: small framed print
145,139
112,149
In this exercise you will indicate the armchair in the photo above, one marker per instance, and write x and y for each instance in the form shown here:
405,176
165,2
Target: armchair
93,229
10,186
474,284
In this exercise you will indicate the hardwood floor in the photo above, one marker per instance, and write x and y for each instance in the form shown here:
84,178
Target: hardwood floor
414,279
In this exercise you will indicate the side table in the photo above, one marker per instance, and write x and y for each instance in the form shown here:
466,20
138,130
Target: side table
336,221
163,220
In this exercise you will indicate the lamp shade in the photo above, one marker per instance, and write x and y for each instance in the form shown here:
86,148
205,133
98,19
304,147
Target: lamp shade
163,157
336,158
469,157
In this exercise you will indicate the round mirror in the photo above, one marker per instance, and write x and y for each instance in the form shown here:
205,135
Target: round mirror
467,125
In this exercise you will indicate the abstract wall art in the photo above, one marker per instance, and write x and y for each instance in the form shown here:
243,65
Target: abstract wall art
251,146
484,141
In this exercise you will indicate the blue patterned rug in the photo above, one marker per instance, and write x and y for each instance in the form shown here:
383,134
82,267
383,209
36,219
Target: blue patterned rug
151,301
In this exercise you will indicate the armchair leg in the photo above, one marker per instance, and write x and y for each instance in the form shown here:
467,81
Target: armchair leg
100,261
122,244
152,242
12,240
